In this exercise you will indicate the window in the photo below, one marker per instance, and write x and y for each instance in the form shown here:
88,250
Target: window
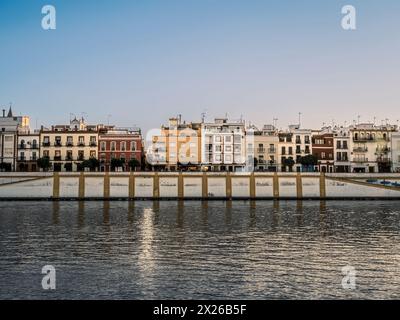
113,145
228,158
92,154
237,139
218,148
344,144
228,148
217,138
103,146
237,148
133,146
283,150
218,157
122,146
323,155
290,150
228,139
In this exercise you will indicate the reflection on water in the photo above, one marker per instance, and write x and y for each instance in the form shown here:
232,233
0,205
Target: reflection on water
215,249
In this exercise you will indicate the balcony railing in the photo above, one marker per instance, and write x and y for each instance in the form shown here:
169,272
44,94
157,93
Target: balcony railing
383,160
57,144
93,143
57,158
69,144
271,150
81,144
260,150
360,160
46,144
360,149
383,150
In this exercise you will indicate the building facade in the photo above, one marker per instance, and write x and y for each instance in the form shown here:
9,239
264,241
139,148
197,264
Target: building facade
395,151
124,144
67,146
176,147
370,148
223,146
323,150
341,151
266,149
28,151
9,127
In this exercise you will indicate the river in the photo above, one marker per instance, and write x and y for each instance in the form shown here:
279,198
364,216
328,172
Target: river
200,250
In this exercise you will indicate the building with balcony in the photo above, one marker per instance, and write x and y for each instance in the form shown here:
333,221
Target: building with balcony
370,147
176,146
67,146
323,150
223,146
9,127
395,151
28,151
341,151
124,144
266,149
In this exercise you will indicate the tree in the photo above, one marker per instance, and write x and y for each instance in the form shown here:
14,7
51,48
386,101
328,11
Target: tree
133,164
92,164
308,162
44,163
116,163
289,162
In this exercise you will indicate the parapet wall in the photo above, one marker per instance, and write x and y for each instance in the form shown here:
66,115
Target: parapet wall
204,186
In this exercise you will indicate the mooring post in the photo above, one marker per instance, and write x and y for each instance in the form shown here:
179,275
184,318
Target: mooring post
81,192
228,186
299,186
180,186
276,185
156,185
56,185
252,186
204,186
106,193
131,185
322,185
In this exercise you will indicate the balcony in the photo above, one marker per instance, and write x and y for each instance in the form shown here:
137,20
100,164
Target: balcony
57,144
22,146
46,144
261,150
35,146
57,158
271,150
93,144
360,160
81,158
383,150
81,144
69,144
360,149
383,160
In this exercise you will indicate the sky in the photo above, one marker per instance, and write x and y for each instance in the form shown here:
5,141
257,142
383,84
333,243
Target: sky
139,62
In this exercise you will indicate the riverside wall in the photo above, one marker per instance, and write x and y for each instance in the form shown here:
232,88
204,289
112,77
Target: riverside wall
199,186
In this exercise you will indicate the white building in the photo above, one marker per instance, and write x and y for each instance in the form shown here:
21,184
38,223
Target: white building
28,148
341,144
224,146
370,148
395,151
9,126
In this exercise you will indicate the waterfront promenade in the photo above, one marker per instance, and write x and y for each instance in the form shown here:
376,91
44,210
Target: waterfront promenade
203,186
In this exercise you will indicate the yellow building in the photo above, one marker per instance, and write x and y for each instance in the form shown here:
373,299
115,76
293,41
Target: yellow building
176,147
67,146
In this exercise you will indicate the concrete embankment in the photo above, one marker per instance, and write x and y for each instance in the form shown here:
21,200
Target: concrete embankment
203,186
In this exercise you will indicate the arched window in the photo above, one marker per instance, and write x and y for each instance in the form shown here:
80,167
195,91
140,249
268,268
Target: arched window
133,146
123,146
113,145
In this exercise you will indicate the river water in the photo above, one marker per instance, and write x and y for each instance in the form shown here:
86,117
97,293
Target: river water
200,250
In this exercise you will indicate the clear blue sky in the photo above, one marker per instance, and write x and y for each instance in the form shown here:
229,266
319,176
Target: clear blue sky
144,60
